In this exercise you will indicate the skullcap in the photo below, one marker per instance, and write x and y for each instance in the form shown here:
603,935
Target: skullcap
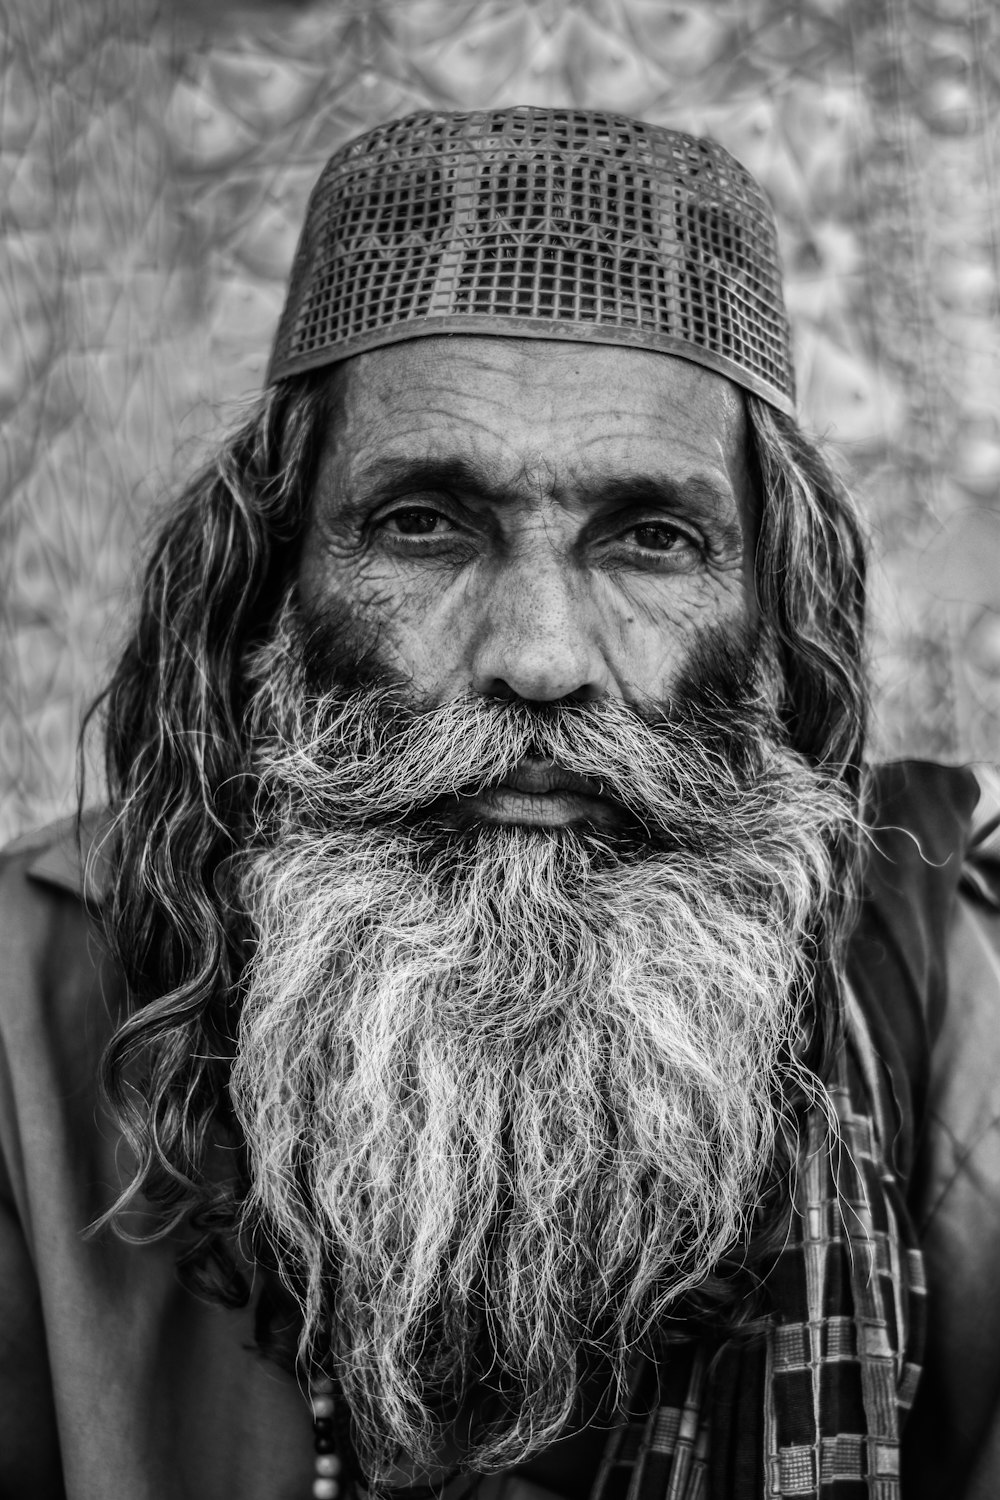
539,223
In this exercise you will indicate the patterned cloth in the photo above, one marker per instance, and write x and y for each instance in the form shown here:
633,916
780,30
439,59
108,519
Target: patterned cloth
814,1408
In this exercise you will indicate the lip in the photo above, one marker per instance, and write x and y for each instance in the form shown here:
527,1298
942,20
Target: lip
538,778
542,795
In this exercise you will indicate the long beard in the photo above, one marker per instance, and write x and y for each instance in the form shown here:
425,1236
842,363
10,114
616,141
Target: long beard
509,1094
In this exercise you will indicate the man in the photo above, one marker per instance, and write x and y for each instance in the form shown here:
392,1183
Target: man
535,1047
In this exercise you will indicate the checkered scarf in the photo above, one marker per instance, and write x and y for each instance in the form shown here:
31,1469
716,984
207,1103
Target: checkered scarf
815,1408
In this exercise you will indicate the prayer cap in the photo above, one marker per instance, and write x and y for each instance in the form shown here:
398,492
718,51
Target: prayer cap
540,223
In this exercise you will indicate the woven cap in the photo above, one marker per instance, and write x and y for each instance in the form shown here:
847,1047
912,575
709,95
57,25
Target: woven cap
539,223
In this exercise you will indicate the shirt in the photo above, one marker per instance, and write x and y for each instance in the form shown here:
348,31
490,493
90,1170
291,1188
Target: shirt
115,1381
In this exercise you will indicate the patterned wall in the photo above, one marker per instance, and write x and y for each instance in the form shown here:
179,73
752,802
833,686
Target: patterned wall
154,172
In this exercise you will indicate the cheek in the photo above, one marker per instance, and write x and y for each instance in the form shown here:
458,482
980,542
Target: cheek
336,575
429,627
651,634
344,611
646,660
407,630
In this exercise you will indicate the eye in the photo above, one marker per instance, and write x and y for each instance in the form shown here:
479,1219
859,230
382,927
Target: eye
659,536
416,520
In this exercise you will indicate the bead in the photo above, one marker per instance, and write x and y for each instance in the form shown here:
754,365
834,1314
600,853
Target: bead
324,1442
322,1406
321,1386
325,1489
328,1464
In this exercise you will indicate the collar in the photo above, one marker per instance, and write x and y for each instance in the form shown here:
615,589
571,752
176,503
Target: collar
72,856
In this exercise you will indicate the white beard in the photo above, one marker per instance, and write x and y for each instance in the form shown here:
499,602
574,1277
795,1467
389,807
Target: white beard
509,1094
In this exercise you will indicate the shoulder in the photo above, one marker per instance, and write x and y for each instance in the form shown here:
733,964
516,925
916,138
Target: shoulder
961,1136
60,1000
51,950
954,1434
919,822
63,856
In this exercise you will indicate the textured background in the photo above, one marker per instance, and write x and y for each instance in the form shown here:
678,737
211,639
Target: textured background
154,166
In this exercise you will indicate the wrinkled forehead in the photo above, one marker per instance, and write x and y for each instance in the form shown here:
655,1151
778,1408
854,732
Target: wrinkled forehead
524,417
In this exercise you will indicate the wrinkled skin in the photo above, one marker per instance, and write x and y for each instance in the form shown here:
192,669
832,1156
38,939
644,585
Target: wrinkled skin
532,519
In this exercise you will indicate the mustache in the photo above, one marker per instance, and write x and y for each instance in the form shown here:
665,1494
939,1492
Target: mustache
368,752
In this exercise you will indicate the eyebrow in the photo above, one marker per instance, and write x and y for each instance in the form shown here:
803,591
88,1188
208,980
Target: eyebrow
697,497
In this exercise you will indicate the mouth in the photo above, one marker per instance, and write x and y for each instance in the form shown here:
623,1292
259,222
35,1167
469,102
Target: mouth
539,794
539,778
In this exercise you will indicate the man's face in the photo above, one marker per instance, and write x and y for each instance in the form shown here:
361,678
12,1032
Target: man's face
511,1089
531,520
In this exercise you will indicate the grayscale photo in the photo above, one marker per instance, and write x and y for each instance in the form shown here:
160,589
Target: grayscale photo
500,750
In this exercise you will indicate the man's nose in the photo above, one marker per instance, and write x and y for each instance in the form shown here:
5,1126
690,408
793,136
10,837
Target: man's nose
537,638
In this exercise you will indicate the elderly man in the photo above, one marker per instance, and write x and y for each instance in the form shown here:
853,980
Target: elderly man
539,1058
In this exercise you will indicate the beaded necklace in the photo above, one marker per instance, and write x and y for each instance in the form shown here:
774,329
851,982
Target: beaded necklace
327,1483
331,1482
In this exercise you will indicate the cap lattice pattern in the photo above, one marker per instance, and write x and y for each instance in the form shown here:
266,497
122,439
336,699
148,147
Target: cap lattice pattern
539,223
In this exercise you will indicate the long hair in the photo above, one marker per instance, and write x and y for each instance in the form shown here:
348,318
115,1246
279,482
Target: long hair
177,767
809,574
